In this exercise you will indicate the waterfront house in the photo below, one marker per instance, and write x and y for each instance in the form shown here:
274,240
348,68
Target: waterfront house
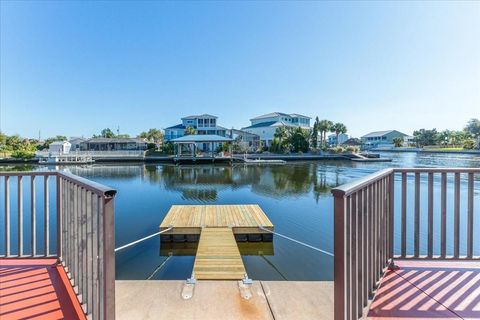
332,139
245,140
381,139
59,147
204,124
265,125
76,142
113,144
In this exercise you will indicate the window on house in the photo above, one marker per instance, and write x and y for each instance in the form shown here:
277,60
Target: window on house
200,122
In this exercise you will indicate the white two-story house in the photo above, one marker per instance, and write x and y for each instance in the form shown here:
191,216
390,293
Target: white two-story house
266,125
204,124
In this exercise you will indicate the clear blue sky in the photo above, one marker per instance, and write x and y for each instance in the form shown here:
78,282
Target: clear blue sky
74,68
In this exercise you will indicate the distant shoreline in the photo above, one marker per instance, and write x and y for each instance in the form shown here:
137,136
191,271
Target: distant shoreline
427,151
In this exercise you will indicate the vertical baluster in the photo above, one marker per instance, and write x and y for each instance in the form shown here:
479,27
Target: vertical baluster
378,270
417,216
430,214
74,235
46,216
96,301
33,216
371,235
360,257
404,214
7,216
64,185
470,221
101,258
456,217
391,215
443,218
20,216
353,249
384,223
108,228
59,214
68,212
340,244
83,245
374,238
89,268
365,245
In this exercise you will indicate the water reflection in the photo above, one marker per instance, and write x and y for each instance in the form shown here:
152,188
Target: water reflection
202,183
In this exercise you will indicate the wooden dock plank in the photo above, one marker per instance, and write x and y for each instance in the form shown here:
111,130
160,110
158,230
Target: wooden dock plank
189,219
218,257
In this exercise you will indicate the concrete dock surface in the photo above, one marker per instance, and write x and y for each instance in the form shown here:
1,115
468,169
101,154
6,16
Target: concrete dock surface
285,300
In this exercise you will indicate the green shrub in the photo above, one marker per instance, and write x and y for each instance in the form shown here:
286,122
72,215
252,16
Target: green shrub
22,154
469,144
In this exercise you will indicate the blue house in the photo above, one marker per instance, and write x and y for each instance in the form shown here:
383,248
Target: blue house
204,124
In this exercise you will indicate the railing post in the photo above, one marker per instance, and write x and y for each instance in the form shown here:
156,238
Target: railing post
109,256
391,214
59,216
339,258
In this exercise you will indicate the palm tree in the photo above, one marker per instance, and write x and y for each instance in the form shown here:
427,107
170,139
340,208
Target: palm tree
338,128
323,127
315,132
190,130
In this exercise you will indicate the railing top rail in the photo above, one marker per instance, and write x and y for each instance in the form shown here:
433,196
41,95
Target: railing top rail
27,173
437,170
92,186
358,184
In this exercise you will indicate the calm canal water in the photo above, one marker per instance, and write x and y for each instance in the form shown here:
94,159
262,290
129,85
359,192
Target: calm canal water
296,197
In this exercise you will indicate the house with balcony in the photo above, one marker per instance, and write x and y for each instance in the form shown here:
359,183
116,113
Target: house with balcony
204,124
265,125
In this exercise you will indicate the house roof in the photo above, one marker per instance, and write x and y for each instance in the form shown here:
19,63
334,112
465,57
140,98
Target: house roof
241,132
178,126
381,133
279,114
270,115
115,140
59,143
205,115
202,138
269,124
295,115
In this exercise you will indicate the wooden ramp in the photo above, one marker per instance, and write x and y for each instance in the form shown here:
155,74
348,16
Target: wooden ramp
218,257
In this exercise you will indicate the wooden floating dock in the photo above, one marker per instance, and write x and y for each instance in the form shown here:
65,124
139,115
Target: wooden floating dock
216,227
189,219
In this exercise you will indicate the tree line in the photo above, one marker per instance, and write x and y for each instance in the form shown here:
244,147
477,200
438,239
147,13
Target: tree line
297,139
468,138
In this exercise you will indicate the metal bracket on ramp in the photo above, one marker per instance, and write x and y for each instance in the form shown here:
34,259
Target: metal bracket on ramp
245,287
188,288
